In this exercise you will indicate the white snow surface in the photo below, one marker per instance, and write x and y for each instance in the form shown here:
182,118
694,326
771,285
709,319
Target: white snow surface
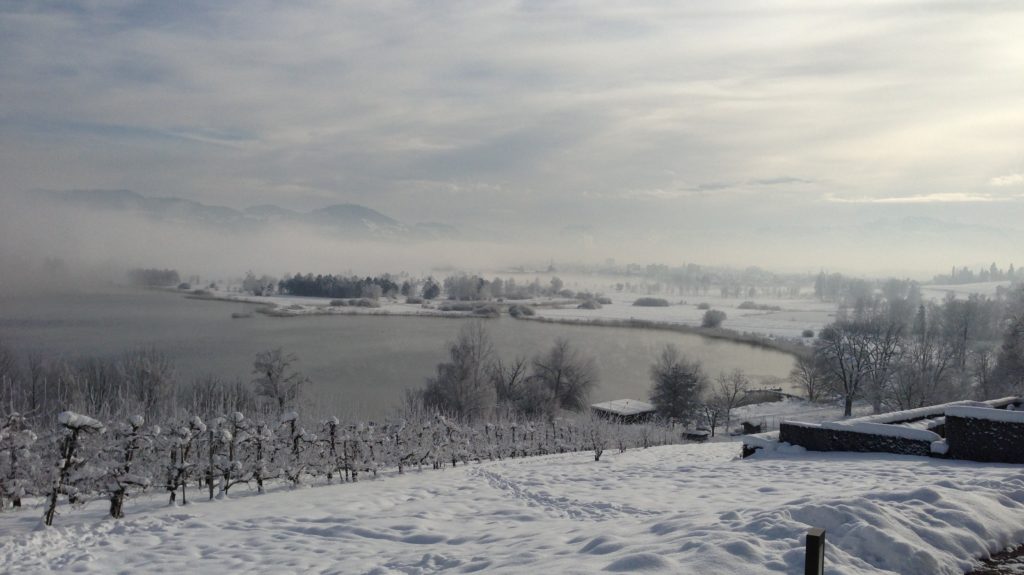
624,406
883,429
679,509
1004,415
794,316
73,420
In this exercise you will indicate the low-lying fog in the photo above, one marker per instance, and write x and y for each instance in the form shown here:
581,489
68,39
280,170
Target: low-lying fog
39,238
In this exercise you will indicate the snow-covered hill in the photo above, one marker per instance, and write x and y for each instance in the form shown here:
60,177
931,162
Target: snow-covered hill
680,509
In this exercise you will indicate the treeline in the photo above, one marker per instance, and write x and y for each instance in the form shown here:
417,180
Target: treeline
964,275
333,286
898,352
694,279
461,287
153,277
476,385
142,382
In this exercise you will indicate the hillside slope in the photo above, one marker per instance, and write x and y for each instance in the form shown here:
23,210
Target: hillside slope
679,509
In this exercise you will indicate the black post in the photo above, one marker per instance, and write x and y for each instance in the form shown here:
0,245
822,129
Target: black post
815,561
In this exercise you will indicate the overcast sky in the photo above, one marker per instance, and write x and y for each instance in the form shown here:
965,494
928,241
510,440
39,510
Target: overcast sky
742,117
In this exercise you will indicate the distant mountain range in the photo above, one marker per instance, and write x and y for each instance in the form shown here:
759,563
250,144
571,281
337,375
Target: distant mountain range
350,220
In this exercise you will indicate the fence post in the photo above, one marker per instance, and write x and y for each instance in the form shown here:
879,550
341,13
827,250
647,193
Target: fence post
814,564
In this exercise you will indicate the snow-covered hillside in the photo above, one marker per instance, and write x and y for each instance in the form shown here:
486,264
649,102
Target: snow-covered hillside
678,509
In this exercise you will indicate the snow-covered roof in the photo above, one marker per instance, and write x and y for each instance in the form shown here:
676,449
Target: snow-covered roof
624,407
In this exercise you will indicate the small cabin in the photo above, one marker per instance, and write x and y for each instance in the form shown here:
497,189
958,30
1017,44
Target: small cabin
624,410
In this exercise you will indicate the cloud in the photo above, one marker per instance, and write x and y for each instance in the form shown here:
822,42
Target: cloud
536,113
942,198
1007,180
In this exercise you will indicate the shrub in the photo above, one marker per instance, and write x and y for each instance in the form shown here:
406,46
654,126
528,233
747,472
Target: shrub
807,333
339,302
184,286
487,311
366,302
604,300
589,304
518,310
758,306
703,306
458,306
413,300
651,302
713,318
567,294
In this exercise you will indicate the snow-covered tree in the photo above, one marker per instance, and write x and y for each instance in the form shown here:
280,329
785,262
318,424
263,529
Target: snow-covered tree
236,433
70,459
19,462
275,378
294,445
181,446
125,463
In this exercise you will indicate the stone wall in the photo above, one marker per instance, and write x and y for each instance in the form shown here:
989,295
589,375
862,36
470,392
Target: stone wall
984,440
821,439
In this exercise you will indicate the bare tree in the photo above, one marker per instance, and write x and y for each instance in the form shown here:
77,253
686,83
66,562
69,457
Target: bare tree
923,374
510,382
678,385
1009,370
885,339
729,392
845,349
149,377
982,367
809,374
275,378
463,386
9,380
568,375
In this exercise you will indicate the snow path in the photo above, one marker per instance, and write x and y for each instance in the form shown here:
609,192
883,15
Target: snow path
679,509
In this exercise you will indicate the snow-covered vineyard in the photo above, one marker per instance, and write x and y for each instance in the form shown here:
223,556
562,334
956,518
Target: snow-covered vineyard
81,459
673,509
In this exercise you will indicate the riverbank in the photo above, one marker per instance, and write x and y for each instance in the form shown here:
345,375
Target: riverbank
796,347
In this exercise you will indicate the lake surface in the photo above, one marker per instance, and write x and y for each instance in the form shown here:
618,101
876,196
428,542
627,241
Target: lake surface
358,364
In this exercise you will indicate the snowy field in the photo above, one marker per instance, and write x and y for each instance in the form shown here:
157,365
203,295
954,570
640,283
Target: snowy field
681,509
794,317
771,414
961,291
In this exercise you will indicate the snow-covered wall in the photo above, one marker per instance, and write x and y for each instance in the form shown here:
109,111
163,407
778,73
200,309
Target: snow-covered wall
863,437
981,434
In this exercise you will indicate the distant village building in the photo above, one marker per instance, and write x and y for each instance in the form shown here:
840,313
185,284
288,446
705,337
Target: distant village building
624,410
